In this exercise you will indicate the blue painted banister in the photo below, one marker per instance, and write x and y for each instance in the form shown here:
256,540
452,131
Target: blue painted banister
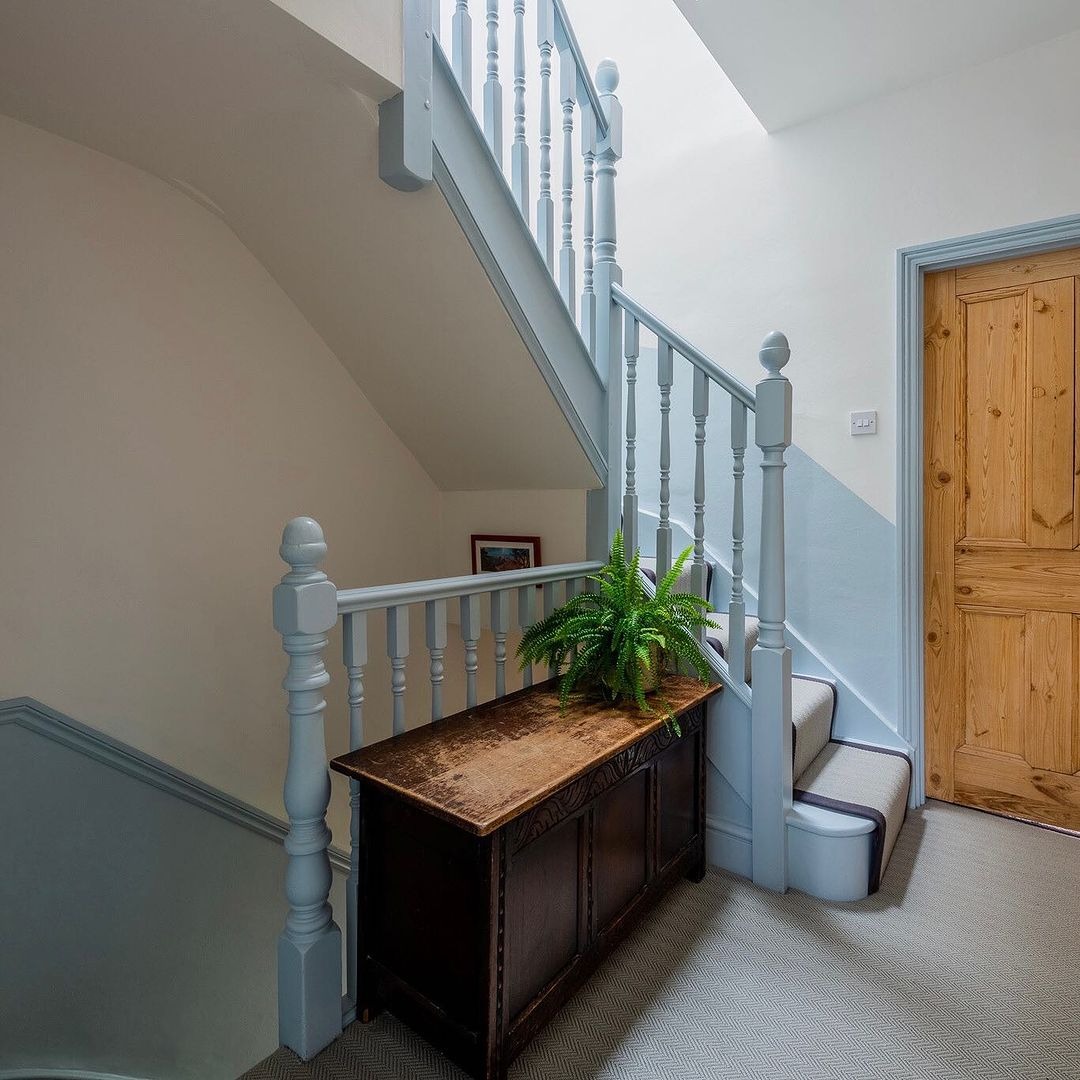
771,736
545,206
493,105
380,597
461,47
719,375
570,42
519,153
309,949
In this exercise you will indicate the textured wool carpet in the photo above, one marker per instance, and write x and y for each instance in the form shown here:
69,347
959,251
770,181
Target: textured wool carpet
965,965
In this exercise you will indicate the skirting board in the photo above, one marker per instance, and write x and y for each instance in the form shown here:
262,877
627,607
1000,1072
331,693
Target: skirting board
34,716
728,846
60,1074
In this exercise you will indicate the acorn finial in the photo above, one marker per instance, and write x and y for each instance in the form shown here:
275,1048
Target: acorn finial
303,545
774,353
607,76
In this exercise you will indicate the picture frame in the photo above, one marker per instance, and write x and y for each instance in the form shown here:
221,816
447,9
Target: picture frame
498,552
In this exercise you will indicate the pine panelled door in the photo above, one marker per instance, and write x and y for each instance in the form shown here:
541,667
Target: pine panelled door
1002,592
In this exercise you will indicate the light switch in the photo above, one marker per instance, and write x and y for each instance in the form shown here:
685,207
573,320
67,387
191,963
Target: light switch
864,423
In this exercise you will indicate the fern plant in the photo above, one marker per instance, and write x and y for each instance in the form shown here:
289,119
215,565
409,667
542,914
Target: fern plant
616,641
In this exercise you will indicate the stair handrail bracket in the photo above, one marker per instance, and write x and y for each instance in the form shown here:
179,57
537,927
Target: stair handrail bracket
311,1007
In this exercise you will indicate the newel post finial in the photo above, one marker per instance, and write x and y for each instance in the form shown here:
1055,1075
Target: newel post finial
309,948
771,739
775,352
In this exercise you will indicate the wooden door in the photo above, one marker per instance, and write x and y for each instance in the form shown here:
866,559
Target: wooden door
1002,580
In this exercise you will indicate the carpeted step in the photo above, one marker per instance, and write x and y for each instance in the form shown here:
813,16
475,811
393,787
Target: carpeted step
648,568
721,632
813,702
866,781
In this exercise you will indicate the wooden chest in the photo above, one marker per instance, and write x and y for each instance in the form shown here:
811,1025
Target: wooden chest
506,850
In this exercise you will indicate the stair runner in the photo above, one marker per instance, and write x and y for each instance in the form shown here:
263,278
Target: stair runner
852,778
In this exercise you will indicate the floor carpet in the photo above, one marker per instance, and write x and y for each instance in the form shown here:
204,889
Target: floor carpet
965,965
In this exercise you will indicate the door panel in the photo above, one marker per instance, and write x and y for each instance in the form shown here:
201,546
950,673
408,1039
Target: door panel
1002,545
1053,404
995,418
1051,665
993,697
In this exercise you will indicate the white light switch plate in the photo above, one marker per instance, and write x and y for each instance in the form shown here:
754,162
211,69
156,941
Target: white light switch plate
864,423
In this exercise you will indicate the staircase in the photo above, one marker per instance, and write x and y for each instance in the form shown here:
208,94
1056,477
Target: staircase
830,855
813,811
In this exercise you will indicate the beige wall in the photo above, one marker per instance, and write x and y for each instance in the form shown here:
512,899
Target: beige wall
557,517
164,409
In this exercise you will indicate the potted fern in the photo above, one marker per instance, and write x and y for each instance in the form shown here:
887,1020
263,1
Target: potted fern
616,642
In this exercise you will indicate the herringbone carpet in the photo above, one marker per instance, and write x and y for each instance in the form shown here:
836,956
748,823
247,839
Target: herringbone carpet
965,966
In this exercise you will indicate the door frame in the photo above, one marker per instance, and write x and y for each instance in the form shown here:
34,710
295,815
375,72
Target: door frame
912,265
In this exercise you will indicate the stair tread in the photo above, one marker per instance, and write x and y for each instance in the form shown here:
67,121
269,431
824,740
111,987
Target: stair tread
721,632
813,703
866,781
647,565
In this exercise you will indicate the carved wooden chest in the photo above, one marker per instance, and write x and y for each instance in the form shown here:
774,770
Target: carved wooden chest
506,850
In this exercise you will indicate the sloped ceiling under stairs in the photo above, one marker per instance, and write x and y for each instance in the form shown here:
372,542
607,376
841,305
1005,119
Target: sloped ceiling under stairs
275,129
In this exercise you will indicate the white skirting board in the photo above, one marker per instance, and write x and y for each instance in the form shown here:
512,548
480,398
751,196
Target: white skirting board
728,846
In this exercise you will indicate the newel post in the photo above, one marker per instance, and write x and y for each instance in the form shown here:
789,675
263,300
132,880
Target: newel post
309,948
771,660
604,509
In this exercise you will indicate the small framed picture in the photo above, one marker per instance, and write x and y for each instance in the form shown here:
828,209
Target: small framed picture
494,554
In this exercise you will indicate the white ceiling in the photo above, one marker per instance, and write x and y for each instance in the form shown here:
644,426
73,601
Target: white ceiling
796,59
272,127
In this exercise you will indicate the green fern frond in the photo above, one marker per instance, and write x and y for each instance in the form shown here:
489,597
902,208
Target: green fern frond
609,639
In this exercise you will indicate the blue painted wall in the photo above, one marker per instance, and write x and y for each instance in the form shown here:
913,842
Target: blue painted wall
841,553
138,931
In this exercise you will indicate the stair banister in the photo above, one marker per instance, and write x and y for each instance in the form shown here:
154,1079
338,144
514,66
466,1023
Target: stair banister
698,569
568,84
493,105
311,1009
632,349
737,606
519,153
309,948
354,650
771,738
545,205
461,47
588,294
607,276
665,378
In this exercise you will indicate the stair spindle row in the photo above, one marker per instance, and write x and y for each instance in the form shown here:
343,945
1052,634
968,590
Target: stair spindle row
704,374
576,93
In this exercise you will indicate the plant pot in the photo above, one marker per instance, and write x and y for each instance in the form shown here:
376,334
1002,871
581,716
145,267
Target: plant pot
652,674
